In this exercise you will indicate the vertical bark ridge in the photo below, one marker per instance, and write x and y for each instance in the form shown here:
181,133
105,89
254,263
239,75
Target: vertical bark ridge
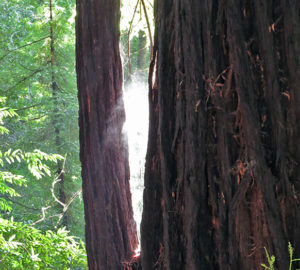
110,228
151,226
227,118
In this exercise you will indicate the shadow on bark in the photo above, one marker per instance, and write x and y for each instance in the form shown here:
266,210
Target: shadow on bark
223,163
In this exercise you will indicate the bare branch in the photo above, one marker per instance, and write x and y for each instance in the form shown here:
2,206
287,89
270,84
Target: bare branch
21,204
64,205
28,107
55,182
23,46
67,205
44,209
149,29
24,79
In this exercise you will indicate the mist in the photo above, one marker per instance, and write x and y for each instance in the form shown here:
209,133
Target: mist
136,128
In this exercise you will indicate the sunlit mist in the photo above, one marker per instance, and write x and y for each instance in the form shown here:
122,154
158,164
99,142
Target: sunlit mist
136,127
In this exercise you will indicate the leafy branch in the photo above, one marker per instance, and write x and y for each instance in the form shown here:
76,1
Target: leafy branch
271,259
23,46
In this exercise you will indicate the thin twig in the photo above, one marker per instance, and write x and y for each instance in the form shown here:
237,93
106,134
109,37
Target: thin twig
21,204
24,79
64,205
149,2
55,182
128,42
27,68
67,205
36,118
60,215
28,107
23,46
44,209
149,29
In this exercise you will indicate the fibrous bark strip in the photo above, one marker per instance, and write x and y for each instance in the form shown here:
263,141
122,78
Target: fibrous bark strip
222,169
110,228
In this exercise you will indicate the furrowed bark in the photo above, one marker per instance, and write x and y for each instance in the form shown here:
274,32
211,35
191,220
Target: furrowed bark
110,228
224,135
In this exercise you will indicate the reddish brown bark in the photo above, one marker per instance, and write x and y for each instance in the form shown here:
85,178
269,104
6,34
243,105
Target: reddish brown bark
223,163
110,228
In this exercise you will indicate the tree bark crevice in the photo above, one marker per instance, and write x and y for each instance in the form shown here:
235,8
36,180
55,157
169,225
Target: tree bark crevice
110,228
225,133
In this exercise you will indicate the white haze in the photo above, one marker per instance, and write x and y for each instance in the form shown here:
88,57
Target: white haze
136,127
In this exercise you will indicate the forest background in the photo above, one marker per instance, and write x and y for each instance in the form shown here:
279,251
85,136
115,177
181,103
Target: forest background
40,181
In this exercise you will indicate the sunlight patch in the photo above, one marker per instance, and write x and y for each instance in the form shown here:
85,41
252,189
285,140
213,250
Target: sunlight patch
136,128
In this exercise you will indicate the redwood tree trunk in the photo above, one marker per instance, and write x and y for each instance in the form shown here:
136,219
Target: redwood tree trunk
222,177
110,228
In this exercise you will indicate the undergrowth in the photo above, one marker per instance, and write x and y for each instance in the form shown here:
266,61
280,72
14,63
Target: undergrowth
271,259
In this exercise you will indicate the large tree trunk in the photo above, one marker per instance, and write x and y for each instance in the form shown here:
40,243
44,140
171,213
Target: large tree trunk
110,228
222,177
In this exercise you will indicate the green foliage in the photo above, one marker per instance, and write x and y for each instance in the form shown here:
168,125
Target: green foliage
35,162
139,38
4,113
36,166
25,247
292,259
139,55
26,175
271,260
26,79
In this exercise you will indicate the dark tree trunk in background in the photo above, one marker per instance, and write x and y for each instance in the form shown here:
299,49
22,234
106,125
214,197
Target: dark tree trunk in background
57,120
142,54
110,228
142,50
222,176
